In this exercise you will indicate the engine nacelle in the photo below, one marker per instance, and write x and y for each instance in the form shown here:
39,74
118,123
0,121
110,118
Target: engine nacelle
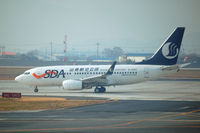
72,84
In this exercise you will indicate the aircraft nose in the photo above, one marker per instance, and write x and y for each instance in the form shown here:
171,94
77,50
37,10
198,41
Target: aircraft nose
18,78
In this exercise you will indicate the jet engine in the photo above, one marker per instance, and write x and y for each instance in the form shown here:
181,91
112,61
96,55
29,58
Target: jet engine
72,84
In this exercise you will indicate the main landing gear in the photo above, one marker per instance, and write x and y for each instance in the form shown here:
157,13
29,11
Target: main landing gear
100,89
36,89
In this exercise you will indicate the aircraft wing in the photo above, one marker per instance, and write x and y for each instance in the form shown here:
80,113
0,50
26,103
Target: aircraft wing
99,79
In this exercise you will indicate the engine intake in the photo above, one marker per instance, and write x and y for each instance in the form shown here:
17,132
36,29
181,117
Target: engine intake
72,84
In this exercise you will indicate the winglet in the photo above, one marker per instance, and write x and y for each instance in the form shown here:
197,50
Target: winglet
111,69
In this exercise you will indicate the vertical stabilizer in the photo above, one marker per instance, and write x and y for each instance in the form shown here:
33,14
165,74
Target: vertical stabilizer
168,53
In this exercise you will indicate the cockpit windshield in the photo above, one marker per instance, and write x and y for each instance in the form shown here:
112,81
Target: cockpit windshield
26,73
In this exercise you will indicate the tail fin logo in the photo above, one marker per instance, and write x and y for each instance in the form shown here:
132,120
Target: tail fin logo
170,50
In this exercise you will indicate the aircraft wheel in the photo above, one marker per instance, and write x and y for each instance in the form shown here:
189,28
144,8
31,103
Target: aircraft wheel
100,90
97,90
36,89
103,89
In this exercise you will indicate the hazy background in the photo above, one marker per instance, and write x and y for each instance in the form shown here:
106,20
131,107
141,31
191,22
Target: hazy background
133,25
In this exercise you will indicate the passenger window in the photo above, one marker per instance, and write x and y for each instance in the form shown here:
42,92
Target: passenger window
76,69
81,69
87,69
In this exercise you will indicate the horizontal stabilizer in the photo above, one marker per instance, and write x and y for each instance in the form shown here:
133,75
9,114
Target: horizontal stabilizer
184,65
169,68
174,67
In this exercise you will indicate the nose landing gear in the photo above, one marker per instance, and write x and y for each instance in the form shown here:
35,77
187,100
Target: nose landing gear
36,89
100,89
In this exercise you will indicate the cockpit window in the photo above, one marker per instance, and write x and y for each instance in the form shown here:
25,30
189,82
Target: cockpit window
26,73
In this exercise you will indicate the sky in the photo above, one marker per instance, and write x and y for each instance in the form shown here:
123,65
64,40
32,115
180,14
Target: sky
133,25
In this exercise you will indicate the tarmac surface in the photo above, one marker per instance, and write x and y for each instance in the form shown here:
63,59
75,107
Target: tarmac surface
153,106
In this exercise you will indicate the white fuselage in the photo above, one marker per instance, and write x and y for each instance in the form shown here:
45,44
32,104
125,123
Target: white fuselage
122,75
87,76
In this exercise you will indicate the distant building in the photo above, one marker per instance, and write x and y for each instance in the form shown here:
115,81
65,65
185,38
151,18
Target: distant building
7,53
134,57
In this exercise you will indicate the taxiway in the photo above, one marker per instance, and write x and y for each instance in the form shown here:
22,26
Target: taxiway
153,106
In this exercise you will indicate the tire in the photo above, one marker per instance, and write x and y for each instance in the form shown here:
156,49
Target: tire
103,90
36,90
96,90
100,90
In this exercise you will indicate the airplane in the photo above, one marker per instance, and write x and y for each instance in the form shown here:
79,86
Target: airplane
78,77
